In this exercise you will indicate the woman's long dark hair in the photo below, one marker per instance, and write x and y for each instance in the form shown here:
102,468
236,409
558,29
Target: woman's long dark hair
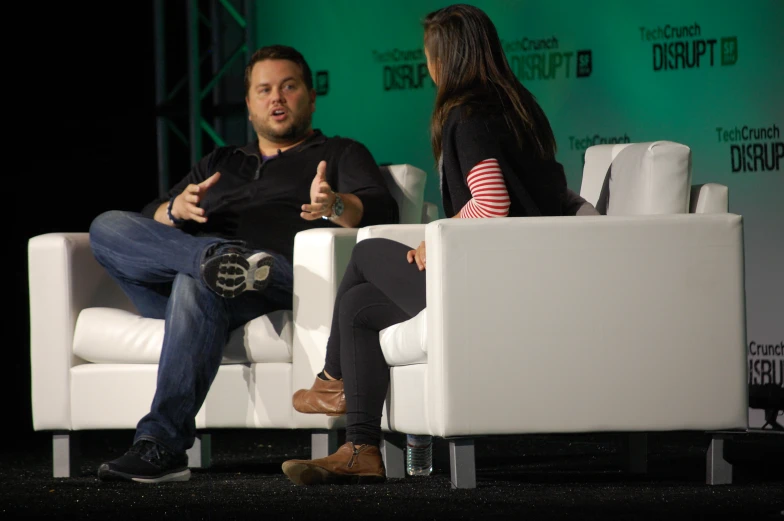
470,67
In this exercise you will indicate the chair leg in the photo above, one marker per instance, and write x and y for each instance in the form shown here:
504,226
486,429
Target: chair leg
323,443
200,455
718,469
65,454
636,452
462,463
394,458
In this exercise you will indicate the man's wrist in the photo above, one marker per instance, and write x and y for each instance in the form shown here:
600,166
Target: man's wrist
331,207
174,220
335,209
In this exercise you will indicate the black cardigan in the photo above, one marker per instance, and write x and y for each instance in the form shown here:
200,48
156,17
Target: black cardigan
474,133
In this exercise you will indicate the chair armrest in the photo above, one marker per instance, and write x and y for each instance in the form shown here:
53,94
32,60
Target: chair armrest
409,234
563,319
320,260
64,278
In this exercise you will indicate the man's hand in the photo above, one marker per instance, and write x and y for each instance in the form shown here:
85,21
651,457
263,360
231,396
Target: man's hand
418,255
321,196
186,204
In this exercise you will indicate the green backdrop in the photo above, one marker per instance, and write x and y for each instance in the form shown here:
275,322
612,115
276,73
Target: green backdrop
707,74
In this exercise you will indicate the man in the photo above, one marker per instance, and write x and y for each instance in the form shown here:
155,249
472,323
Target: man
218,252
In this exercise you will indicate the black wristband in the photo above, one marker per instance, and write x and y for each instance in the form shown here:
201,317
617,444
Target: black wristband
173,219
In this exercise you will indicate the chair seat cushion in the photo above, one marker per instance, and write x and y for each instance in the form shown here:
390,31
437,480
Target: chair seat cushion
115,336
405,343
649,178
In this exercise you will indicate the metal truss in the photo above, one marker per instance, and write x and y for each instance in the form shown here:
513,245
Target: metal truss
201,49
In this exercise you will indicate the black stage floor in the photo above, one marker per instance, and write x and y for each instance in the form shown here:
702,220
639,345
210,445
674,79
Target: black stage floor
519,477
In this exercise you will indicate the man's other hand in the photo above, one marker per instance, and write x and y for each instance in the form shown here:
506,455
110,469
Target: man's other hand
321,196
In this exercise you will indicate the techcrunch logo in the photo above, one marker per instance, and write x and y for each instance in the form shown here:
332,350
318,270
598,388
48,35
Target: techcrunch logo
399,55
543,59
767,370
753,149
683,47
526,45
577,143
403,69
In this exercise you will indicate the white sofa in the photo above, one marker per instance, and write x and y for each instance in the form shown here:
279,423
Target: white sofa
628,322
94,359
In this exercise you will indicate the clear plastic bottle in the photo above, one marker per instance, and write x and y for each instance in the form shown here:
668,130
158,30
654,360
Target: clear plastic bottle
419,455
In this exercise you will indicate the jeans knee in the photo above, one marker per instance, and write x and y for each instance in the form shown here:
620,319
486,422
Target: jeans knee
192,298
103,234
107,224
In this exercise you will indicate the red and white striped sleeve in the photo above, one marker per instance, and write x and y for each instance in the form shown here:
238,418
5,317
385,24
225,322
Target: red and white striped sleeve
489,196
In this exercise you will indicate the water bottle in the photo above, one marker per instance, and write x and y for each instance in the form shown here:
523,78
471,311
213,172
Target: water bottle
419,455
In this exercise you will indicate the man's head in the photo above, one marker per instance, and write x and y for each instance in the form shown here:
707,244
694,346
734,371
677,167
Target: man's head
279,94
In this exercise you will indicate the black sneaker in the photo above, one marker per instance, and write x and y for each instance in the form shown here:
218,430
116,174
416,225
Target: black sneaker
232,270
146,462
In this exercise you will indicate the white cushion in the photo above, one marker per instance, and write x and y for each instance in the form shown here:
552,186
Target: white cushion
650,179
404,343
115,336
709,198
115,396
597,160
406,183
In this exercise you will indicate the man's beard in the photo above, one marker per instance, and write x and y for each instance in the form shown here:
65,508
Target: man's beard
296,130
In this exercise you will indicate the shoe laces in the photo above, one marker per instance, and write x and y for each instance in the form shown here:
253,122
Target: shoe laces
148,450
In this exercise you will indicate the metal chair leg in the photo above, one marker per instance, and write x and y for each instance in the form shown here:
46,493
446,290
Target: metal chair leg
462,463
394,457
323,443
65,454
718,469
200,455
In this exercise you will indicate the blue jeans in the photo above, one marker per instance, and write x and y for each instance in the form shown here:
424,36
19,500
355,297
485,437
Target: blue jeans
158,267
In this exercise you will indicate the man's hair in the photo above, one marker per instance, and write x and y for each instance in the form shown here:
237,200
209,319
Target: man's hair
279,52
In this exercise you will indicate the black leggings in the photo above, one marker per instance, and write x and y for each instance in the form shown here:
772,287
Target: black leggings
380,288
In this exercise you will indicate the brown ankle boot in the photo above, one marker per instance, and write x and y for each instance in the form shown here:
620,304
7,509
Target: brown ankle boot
324,397
348,465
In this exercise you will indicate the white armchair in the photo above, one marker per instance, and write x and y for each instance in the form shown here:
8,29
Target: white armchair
628,322
94,360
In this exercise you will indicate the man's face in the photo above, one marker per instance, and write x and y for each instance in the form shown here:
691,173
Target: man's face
280,107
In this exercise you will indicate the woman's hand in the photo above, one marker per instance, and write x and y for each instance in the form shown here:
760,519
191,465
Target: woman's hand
418,255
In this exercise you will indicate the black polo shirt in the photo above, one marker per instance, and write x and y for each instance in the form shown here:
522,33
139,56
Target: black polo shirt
260,201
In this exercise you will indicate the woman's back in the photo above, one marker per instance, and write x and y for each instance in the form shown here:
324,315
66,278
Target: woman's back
486,127
477,132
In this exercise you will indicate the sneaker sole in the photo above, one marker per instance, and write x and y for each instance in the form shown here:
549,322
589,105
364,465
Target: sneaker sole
231,275
304,474
113,475
183,475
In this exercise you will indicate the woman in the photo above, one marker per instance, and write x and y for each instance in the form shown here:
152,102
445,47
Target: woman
496,155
